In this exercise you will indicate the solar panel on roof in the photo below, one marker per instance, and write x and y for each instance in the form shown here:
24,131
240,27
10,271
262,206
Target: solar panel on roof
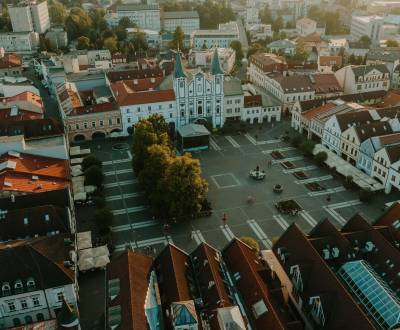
377,298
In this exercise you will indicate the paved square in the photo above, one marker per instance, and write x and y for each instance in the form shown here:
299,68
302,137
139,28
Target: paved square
225,180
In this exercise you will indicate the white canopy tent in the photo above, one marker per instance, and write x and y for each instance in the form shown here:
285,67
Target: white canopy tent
97,257
84,240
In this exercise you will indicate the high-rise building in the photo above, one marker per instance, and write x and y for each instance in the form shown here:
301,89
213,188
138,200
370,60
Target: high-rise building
30,16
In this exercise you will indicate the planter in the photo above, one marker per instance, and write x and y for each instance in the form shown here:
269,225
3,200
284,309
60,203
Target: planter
300,175
289,206
277,155
288,165
314,186
278,188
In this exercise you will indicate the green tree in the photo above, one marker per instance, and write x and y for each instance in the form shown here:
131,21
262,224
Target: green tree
252,242
301,54
94,176
212,13
177,39
78,23
307,147
254,48
265,15
83,43
296,140
44,44
365,41
277,24
237,47
392,43
89,161
57,13
125,23
140,41
183,187
103,218
99,23
365,195
111,43
321,157
153,130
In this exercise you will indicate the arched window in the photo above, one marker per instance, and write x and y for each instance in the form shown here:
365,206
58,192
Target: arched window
28,319
16,321
40,317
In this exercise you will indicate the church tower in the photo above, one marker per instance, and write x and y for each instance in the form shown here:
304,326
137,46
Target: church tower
218,81
180,84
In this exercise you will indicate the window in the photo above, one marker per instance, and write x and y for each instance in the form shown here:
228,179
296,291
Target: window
85,125
129,120
60,296
316,311
31,282
17,322
118,121
24,304
101,122
110,122
93,124
11,306
35,301
6,289
28,319
40,317
113,287
77,126
149,108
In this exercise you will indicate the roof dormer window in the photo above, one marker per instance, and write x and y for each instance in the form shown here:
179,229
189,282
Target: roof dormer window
317,312
6,289
18,286
295,276
30,284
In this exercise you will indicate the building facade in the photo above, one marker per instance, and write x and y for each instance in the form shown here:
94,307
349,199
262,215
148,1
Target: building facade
30,17
201,39
19,42
189,21
366,26
144,16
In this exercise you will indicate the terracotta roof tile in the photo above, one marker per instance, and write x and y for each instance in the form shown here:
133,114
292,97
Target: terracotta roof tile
10,61
331,60
114,76
316,111
326,83
94,108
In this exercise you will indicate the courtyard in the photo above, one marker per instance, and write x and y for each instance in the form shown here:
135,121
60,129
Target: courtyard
247,205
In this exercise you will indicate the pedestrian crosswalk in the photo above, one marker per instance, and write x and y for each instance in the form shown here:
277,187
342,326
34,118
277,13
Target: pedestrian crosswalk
120,183
300,169
198,237
134,225
118,197
229,235
129,210
214,144
264,239
117,161
232,141
327,191
289,159
331,209
281,221
126,170
144,243
268,151
317,179
308,218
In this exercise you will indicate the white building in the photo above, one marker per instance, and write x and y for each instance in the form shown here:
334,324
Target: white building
37,282
369,26
220,38
305,26
259,31
336,45
19,42
363,78
203,58
199,96
392,160
29,17
233,99
153,37
144,16
189,21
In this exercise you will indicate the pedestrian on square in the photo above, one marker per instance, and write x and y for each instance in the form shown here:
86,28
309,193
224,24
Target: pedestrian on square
328,198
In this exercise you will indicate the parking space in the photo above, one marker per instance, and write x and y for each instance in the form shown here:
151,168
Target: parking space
226,167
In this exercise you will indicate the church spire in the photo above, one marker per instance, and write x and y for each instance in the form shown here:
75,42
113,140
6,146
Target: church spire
215,65
178,70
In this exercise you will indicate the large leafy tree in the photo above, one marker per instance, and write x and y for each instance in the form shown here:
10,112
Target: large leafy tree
177,38
237,47
57,13
153,130
111,43
78,23
183,187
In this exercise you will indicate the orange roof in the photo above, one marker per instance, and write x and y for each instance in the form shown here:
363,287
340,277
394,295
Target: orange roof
8,114
126,96
391,99
313,37
310,114
31,173
10,61
24,100
331,60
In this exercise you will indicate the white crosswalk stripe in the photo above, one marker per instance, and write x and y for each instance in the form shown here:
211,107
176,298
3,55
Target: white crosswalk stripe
198,237
317,179
129,210
120,183
126,170
229,235
279,149
331,209
250,138
281,221
260,233
214,144
130,195
308,218
327,191
300,169
289,159
269,141
134,225
148,242
117,161
232,141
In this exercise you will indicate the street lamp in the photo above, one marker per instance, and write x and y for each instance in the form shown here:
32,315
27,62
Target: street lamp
224,219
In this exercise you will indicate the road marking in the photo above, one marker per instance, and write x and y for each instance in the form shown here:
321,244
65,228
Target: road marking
214,144
317,179
117,197
331,209
126,170
281,221
260,233
129,210
280,150
117,161
300,169
120,183
232,141
327,191
250,138
198,237
134,225
229,235
129,154
289,159
308,218
148,242
269,141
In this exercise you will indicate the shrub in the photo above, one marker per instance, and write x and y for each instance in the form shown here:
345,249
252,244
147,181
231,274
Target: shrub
103,218
89,161
348,183
250,241
365,195
307,147
94,176
321,157
296,140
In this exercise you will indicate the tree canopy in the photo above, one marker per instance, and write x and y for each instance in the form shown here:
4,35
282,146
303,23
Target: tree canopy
237,47
177,39
78,23
392,43
57,13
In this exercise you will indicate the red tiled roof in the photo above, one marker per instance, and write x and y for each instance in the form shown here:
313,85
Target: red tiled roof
94,108
326,83
10,61
31,129
144,84
252,100
388,219
331,60
125,96
314,37
31,173
391,99
133,270
389,139
114,76
309,114
26,101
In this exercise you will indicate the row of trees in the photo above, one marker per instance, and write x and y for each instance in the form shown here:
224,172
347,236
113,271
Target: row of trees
173,184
